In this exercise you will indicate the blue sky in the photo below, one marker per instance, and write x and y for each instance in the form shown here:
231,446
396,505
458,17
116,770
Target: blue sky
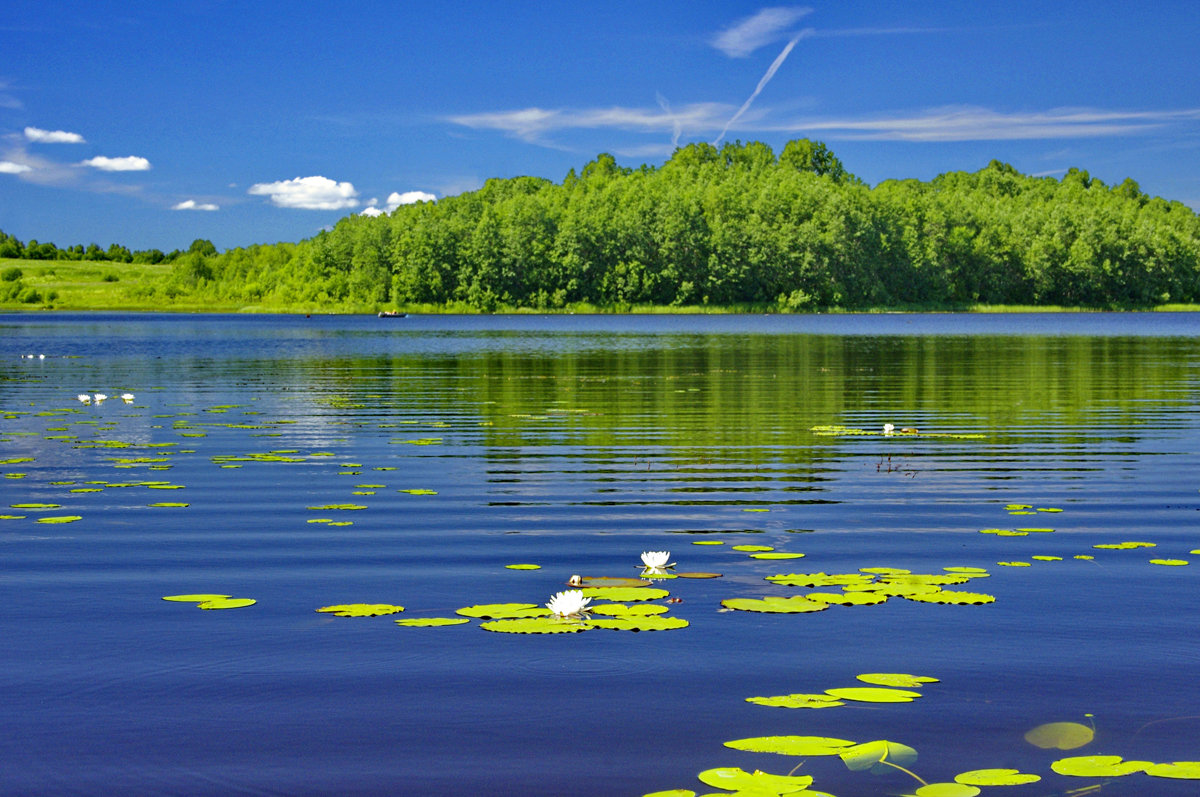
154,123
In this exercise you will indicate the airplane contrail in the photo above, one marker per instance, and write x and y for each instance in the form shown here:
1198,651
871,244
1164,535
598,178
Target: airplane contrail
766,78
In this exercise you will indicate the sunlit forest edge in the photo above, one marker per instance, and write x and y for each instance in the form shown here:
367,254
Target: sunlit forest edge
730,229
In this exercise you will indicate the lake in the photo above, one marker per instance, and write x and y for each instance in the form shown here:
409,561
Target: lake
334,460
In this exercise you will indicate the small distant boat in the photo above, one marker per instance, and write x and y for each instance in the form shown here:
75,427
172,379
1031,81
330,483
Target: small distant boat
392,314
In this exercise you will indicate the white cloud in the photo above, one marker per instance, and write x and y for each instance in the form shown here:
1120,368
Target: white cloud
395,200
308,193
767,26
37,135
8,167
130,163
191,204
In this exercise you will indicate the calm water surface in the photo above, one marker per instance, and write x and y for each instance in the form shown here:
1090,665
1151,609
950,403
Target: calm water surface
576,443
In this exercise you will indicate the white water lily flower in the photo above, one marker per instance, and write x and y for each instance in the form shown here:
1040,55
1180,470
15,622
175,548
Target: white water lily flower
656,560
84,398
889,428
100,397
570,603
127,398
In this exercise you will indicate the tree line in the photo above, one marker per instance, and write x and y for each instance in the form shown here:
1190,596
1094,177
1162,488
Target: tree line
735,226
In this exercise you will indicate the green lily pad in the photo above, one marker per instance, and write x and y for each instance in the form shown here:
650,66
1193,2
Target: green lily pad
819,579
60,519
194,598
36,506
1014,564
797,701
346,507
1060,735
848,598
995,777
1098,766
621,610
757,782
621,594
361,609
1123,546
776,555
871,694
227,603
672,793
418,491
896,679
774,605
524,567
953,597
753,548
610,581
1183,770
174,504
946,790
535,625
697,575
878,757
432,622
1169,562
634,623
504,611
708,542
792,745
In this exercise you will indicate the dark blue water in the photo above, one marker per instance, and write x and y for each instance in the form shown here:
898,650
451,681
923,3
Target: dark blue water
576,443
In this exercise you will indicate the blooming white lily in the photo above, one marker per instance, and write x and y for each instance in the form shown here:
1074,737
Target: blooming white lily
84,398
100,397
889,428
570,603
656,560
127,398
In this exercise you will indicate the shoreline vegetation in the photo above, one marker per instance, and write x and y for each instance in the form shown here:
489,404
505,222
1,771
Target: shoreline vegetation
737,229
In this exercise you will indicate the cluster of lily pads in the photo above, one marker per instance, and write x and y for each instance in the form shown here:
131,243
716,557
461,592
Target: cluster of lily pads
869,586
882,756
1025,531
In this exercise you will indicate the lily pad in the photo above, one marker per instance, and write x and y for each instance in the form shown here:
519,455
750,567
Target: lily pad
819,579
953,597
1098,766
896,679
792,745
634,623
757,782
871,694
200,598
879,757
60,519
1169,562
621,594
774,605
227,603
946,790
1183,770
995,777
753,548
848,598
797,701
432,622
535,625
504,611
1060,735
611,581
697,575
523,567
361,609
621,610
776,555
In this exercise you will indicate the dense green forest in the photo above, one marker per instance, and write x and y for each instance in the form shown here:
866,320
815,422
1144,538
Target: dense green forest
731,226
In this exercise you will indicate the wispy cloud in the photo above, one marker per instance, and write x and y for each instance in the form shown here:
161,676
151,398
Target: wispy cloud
768,26
191,204
39,136
534,124
308,193
960,123
8,167
130,163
